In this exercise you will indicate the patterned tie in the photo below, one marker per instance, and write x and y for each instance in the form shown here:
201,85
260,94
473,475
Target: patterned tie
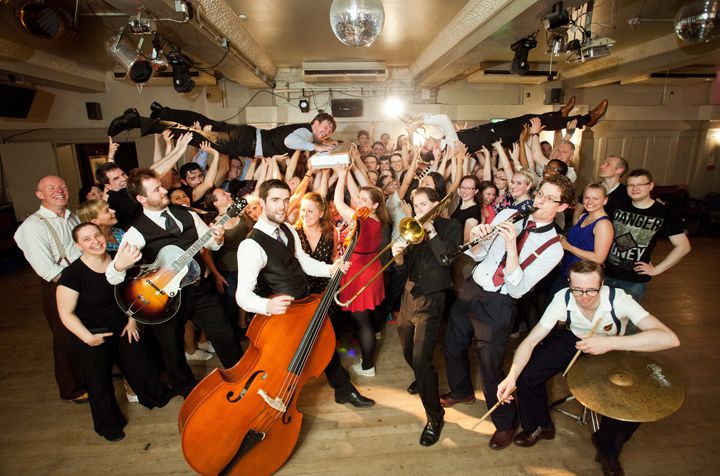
170,224
278,237
499,277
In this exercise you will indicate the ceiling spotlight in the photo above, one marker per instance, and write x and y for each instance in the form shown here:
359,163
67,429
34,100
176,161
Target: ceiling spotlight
45,21
393,107
558,19
123,52
182,82
304,105
522,48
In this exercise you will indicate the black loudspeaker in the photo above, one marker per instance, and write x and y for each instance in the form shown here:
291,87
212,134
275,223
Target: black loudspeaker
556,96
93,111
16,101
347,107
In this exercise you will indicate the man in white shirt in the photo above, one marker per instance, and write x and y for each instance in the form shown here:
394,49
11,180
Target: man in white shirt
579,307
45,237
510,264
272,259
161,224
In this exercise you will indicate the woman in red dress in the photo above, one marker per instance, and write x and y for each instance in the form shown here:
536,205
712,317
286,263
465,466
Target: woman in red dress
369,242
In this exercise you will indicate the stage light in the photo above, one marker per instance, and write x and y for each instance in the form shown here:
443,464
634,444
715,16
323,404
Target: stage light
304,105
182,82
557,20
138,68
521,48
393,107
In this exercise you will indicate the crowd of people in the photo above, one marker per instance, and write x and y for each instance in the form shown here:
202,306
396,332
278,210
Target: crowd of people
535,258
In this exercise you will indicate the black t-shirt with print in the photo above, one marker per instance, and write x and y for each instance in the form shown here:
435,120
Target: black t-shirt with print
637,231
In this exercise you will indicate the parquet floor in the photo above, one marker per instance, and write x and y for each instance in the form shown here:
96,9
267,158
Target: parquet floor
39,434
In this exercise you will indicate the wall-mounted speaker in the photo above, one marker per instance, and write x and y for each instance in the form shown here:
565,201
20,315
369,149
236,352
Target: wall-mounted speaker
347,107
556,96
25,103
94,112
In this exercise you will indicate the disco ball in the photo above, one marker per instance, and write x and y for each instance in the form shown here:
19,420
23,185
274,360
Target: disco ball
357,22
698,22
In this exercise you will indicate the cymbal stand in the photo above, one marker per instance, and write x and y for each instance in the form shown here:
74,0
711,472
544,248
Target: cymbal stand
581,419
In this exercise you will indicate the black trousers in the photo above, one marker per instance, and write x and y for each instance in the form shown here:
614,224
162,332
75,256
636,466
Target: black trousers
338,377
484,319
201,304
68,375
509,130
549,358
137,366
418,324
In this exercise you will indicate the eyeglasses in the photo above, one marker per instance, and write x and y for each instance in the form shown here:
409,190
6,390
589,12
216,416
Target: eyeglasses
592,292
542,196
638,185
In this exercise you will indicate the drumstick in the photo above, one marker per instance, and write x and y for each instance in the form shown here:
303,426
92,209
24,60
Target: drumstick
577,354
490,412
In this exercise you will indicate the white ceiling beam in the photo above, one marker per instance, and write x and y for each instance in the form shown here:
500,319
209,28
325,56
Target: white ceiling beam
666,52
49,69
477,21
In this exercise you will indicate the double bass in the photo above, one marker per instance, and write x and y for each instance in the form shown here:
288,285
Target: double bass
244,420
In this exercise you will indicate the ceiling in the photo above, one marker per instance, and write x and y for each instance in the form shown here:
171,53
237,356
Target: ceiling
426,43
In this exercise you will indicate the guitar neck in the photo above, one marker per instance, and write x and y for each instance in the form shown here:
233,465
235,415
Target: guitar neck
185,258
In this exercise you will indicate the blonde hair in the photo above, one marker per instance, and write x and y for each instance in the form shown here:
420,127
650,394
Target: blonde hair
90,210
528,176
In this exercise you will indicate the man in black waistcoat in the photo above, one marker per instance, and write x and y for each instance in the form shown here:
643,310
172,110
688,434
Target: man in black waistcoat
272,259
159,225
423,304
239,140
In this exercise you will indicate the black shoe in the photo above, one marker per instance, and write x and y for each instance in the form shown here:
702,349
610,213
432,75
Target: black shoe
412,389
115,437
155,110
431,433
129,120
356,400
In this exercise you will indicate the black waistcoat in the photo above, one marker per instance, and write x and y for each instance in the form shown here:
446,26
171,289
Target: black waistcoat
273,140
282,274
156,237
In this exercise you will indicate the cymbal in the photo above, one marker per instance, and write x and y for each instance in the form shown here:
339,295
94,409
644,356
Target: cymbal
626,386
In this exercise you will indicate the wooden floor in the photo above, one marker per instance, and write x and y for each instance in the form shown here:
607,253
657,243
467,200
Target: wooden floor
39,434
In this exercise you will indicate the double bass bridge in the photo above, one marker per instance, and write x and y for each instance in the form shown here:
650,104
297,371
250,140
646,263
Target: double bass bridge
274,403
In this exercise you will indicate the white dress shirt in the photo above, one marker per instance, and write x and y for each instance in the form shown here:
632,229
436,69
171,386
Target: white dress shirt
520,281
626,308
134,237
300,139
38,244
252,259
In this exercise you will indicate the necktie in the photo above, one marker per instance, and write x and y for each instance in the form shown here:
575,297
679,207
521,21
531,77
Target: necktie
170,224
499,277
278,237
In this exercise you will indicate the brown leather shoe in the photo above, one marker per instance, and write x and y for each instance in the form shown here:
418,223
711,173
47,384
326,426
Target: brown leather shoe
565,110
502,439
447,400
527,439
597,113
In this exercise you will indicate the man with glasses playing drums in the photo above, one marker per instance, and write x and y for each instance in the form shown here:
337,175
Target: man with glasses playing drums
577,309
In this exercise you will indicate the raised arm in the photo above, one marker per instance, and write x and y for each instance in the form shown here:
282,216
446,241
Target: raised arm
164,165
343,209
292,165
407,179
504,161
209,181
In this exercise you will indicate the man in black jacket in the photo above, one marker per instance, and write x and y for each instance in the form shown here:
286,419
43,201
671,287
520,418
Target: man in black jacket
423,304
239,140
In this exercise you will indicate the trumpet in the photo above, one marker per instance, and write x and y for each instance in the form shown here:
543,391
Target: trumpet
448,258
411,231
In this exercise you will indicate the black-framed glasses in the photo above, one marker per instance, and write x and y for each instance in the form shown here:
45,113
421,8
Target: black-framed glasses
541,196
638,185
592,292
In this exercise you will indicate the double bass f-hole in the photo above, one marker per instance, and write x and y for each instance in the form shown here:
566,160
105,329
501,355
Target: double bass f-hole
230,395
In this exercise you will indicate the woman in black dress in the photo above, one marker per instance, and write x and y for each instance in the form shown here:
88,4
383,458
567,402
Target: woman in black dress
103,334
317,235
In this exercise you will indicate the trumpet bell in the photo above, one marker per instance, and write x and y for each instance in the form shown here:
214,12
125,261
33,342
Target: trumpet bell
411,230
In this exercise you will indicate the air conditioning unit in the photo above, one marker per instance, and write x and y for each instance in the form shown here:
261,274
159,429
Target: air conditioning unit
344,72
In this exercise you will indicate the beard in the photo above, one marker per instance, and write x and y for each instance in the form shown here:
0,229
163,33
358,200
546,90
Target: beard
427,155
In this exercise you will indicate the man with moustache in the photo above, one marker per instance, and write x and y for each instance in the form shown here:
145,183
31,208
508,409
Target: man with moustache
274,264
161,224
45,237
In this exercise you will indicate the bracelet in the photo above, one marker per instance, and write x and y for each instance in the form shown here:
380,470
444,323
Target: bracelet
308,175
534,134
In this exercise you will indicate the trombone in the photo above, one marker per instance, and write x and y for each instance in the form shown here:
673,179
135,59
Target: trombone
411,231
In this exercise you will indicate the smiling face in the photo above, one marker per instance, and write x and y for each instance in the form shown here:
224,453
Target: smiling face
396,163
594,199
235,169
564,152
322,130
193,178
488,196
90,240
105,217
371,162
275,205
519,186
117,179
94,194
52,192
639,188
467,190
310,213
179,197
586,281
500,180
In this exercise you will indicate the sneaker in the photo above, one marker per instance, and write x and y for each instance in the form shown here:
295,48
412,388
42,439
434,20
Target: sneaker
199,354
206,346
357,368
132,398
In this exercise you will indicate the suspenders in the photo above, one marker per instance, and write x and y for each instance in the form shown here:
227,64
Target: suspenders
612,309
56,238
